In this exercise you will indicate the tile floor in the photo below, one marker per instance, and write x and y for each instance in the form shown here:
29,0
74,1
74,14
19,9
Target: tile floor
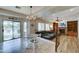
24,46
67,45
13,46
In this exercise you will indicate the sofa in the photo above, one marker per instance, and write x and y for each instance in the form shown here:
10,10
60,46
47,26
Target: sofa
46,34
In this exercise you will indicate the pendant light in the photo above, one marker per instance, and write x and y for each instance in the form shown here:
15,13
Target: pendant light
30,16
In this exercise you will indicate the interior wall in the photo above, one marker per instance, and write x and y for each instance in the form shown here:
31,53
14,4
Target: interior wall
22,27
78,29
1,38
34,25
1,26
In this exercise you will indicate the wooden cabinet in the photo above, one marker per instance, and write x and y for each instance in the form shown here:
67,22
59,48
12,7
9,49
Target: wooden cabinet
72,28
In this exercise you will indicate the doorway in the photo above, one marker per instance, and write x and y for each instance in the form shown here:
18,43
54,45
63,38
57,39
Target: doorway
11,30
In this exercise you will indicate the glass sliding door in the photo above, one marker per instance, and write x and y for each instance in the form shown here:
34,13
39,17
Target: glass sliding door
11,30
7,30
16,29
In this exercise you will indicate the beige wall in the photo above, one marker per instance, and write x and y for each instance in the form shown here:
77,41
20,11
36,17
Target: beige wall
33,24
78,29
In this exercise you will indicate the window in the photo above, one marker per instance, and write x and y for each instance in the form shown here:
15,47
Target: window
25,29
47,27
41,26
44,27
51,27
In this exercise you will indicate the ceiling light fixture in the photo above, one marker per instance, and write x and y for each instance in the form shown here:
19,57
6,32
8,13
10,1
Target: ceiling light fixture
71,10
30,16
58,20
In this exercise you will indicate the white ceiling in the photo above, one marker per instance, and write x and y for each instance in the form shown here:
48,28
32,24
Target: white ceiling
22,9
48,12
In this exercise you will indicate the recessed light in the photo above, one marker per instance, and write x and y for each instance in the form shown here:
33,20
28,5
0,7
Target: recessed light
71,10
